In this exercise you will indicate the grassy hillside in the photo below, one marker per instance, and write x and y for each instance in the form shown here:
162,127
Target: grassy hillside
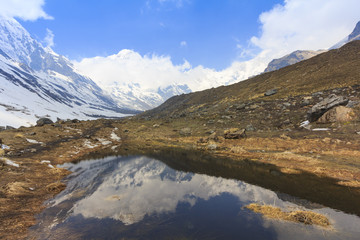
333,69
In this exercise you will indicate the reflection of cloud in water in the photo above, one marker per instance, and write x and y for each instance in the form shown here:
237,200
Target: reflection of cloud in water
144,186
129,188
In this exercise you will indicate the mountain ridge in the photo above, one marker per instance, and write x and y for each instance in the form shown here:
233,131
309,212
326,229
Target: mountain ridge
48,82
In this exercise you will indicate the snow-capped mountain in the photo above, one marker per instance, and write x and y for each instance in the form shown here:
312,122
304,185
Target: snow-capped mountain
35,82
355,35
301,55
291,58
132,94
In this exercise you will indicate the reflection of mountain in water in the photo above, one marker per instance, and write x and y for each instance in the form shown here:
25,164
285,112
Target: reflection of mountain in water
142,198
143,186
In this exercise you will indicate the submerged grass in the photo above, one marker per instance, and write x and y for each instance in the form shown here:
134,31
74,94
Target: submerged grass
306,217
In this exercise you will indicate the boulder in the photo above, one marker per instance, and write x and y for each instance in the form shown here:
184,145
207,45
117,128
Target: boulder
271,92
320,108
43,121
185,131
9,127
337,114
234,133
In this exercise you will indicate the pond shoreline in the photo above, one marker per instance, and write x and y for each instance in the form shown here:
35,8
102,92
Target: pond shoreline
269,158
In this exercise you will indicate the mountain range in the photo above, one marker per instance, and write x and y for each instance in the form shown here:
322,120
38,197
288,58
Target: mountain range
37,82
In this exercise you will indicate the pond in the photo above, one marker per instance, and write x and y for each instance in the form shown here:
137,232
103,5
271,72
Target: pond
140,197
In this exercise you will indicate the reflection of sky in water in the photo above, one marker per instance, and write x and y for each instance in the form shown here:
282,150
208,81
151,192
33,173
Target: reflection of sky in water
132,190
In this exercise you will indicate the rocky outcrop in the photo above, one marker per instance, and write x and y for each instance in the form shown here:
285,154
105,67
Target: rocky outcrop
325,105
185,131
337,114
271,92
43,121
234,133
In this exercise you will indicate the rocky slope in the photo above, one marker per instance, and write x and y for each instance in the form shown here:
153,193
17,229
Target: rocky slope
297,85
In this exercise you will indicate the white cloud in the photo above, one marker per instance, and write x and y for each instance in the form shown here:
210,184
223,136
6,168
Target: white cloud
177,3
49,38
294,25
151,72
24,9
183,43
310,25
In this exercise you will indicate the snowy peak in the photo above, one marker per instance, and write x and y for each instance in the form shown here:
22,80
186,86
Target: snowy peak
38,82
15,41
355,35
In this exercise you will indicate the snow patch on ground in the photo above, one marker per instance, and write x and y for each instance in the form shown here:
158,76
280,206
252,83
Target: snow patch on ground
104,141
33,141
9,162
115,137
321,129
3,146
88,144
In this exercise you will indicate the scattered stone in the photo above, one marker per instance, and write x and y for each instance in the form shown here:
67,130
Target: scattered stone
32,133
75,120
286,104
253,106
43,121
9,127
156,125
214,137
250,128
126,130
271,92
185,131
234,133
211,121
210,132
33,150
352,104
212,146
202,140
320,108
58,125
240,106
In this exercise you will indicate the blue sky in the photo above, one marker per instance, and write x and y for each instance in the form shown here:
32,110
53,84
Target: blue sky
200,43
211,33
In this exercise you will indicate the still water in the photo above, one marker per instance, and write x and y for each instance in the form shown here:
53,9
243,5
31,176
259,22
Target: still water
140,197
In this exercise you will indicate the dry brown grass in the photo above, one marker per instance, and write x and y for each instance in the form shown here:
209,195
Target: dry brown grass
306,217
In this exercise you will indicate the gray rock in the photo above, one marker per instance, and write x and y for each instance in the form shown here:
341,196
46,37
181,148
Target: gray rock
271,92
2,128
185,131
212,147
320,108
352,104
337,114
253,106
234,133
43,121
250,128
9,127
240,106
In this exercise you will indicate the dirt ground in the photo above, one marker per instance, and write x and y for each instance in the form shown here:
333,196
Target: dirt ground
334,156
